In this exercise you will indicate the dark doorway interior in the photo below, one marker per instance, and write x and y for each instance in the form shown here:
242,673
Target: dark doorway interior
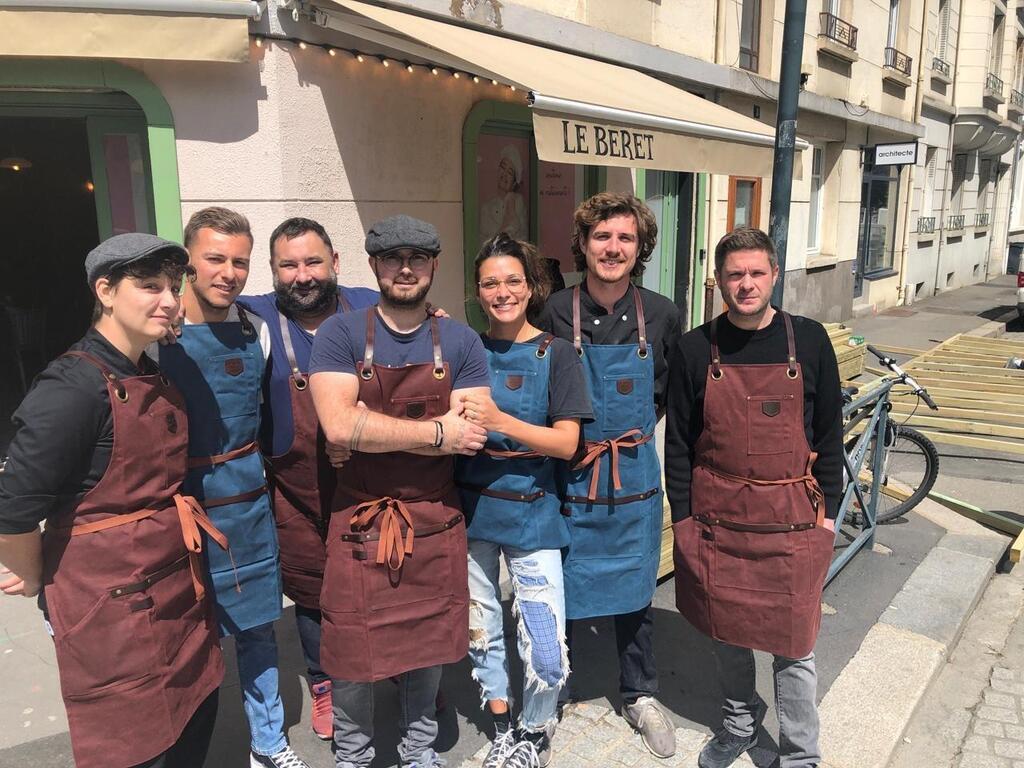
48,221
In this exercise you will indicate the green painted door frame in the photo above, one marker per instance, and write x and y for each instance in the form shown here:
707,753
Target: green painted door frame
73,75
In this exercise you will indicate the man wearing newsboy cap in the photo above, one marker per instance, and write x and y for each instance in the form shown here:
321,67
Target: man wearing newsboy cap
395,594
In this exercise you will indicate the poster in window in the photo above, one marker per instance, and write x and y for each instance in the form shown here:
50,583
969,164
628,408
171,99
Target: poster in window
503,186
556,199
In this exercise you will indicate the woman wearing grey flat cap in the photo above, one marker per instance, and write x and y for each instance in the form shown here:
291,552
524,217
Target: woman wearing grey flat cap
99,455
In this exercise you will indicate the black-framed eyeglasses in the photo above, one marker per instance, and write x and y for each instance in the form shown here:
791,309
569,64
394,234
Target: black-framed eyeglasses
417,261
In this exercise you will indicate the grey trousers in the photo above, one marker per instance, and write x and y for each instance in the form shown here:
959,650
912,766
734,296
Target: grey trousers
353,720
796,686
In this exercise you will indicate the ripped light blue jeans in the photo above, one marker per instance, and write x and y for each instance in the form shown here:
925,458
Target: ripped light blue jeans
539,608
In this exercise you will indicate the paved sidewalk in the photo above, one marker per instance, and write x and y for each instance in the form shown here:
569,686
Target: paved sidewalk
996,739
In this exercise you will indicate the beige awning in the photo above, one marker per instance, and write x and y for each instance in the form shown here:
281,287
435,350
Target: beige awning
594,113
120,35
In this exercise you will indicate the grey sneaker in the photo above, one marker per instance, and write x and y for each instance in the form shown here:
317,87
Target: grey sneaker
541,741
523,755
501,748
429,759
723,750
286,758
653,724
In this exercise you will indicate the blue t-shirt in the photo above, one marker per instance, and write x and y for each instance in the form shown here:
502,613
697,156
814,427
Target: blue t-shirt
276,428
341,342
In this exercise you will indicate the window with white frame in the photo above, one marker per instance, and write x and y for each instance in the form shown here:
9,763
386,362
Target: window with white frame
995,65
816,199
942,48
750,34
928,191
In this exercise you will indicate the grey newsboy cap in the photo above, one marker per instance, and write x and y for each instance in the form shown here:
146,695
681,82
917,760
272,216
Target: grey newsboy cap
402,232
124,249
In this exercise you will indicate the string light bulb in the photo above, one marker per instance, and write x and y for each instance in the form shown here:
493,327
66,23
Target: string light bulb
434,71
408,67
476,79
259,42
385,62
512,87
359,58
456,75
302,44
332,52
494,82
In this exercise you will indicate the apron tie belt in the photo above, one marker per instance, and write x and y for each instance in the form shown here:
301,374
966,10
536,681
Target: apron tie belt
810,482
192,518
593,450
391,548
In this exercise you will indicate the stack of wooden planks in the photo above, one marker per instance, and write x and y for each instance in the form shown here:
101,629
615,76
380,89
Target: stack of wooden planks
850,358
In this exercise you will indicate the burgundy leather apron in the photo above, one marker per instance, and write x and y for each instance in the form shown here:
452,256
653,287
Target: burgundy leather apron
134,631
396,595
302,484
751,560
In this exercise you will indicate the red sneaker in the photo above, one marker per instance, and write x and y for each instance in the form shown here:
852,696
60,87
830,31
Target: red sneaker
323,711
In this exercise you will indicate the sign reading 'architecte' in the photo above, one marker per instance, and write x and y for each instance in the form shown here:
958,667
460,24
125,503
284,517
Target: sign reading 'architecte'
902,153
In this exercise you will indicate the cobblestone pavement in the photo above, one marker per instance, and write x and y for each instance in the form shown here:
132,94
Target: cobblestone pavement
996,737
592,736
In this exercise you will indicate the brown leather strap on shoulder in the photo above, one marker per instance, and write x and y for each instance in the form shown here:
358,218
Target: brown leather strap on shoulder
298,380
734,525
791,345
223,458
247,327
112,380
641,324
716,357
542,348
343,302
577,327
435,337
371,326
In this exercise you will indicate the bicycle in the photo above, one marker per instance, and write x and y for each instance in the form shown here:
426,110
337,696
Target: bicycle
894,466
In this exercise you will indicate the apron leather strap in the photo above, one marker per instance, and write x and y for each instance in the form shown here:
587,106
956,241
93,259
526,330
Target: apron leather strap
247,327
577,331
496,453
343,302
594,450
542,348
526,498
192,518
371,325
577,324
716,357
810,482
222,458
223,501
391,548
734,525
435,337
149,581
112,379
606,501
641,324
298,380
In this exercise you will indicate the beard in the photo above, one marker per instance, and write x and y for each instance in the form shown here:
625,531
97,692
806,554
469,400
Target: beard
388,293
316,300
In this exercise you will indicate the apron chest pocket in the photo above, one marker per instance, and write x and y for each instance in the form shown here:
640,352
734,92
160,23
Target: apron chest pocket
770,424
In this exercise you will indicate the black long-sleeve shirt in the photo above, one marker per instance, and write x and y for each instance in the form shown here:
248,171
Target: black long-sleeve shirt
823,400
64,435
597,326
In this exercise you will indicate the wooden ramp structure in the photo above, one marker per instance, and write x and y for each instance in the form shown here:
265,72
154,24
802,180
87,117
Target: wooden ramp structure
981,402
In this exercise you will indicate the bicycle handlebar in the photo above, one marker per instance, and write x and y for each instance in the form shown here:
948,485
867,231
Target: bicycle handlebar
890,363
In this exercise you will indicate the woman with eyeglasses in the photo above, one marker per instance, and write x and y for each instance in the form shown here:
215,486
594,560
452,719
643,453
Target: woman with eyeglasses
509,496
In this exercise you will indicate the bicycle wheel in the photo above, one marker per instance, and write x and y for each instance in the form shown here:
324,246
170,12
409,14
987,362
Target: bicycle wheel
910,467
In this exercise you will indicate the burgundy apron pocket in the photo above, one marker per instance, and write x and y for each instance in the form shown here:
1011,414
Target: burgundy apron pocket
756,562
769,420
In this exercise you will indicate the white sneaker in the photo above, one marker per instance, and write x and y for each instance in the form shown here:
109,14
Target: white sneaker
501,748
286,758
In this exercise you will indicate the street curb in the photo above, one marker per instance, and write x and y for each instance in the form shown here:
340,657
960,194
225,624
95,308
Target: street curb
904,651
994,328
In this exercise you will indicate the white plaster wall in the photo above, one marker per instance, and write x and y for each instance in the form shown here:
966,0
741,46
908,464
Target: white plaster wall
300,133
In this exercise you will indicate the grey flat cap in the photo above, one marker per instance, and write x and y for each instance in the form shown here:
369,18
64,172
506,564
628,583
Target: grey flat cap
124,249
402,232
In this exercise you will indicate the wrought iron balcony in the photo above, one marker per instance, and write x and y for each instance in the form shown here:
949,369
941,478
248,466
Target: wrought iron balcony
981,219
838,30
940,66
994,84
1017,99
926,225
955,222
898,61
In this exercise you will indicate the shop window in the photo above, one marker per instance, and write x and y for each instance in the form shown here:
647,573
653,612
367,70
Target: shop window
744,202
816,200
750,34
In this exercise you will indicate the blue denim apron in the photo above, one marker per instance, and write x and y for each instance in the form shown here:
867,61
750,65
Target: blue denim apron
509,492
219,369
613,494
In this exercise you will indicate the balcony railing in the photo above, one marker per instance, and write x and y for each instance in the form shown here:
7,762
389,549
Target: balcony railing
955,222
898,60
926,225
940,66
838,30
1017,99
981,219
994,84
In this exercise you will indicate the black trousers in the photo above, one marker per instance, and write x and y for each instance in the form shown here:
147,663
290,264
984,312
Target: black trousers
634,640
189,751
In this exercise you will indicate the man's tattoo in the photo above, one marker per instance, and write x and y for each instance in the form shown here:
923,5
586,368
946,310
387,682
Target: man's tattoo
358,429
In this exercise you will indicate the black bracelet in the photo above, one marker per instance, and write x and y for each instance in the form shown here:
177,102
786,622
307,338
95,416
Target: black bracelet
439,435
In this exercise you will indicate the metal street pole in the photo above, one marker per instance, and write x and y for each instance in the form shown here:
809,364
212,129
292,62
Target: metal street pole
785,135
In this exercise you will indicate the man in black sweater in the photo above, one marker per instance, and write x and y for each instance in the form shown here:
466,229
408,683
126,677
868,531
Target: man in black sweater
753,465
